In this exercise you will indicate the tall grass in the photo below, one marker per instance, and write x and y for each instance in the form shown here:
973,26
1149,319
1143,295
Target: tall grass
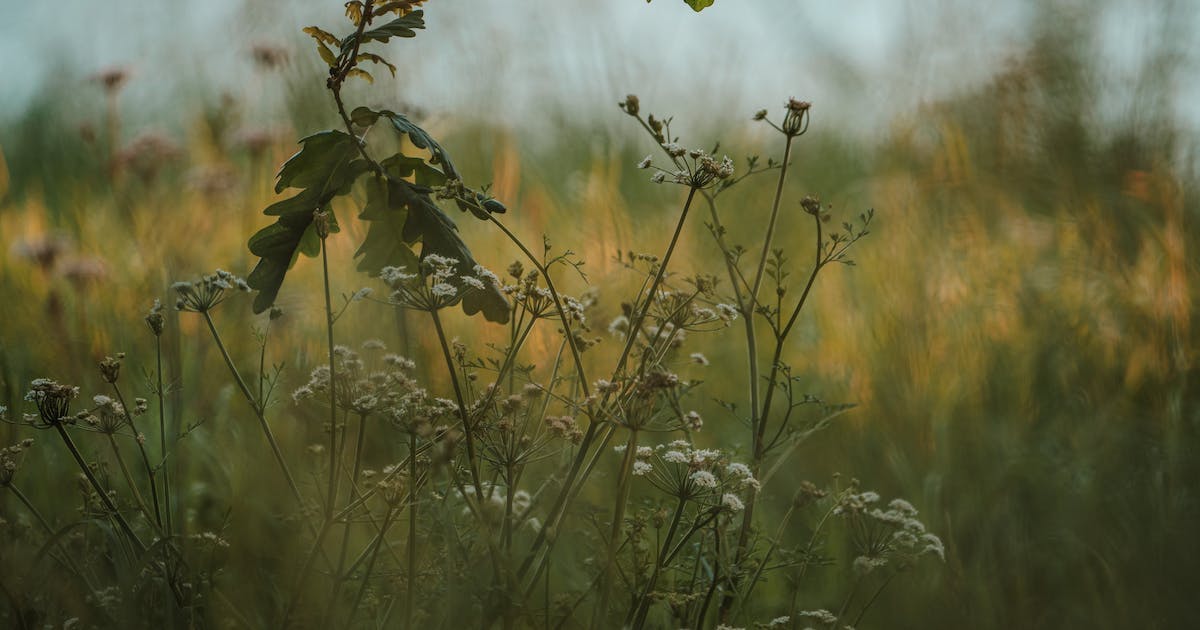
1018,337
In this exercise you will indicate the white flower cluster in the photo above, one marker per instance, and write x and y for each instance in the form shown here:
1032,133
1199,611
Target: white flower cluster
701,474
438,286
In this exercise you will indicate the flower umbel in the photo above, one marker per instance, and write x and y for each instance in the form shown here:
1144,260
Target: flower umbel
206,293
53,401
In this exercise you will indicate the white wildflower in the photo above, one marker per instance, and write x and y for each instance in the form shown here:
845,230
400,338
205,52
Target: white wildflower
704,479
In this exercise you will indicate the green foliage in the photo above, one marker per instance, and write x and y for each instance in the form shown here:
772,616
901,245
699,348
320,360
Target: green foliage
400,27
324,168
697,5
400,213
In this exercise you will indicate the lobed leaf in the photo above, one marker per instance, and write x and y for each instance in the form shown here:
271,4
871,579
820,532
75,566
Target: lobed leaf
326,166
322,35
404,26
376,59
403,213
362,74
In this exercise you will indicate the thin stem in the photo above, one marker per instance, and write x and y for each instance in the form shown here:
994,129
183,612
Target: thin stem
762,564
618,526
133,489
569,484
637,614
258,412
468,430
759,420
162,436
878,592
469,435
366,578
67,558
640,315
331,492
817,265
762,261
576,356
104,498
411,590
339,575
716,577
140,439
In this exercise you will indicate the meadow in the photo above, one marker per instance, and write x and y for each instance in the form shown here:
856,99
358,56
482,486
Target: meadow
1015,338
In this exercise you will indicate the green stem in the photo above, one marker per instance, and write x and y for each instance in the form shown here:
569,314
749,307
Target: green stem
258,413
762,564
162,437
758,422
366,578
762,261
340,574
411,591
67,558
469,437
104,498
570,484
640,314
875,596
618,526
133,489
331,493
150,474
637,614
468,430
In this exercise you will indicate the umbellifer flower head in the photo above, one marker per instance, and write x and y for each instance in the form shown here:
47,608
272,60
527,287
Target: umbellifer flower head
206,293
53,401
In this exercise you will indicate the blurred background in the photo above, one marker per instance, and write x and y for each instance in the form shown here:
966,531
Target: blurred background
1017,333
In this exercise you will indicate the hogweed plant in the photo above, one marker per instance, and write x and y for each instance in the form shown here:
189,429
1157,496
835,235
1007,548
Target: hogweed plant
497,485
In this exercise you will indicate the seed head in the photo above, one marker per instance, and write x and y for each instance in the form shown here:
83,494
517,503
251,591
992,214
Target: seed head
631,105
811,205
155,319
53,401
110,369
206,293
795,122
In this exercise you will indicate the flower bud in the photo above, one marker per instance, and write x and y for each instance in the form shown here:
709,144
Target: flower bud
795,122
321,223
631,105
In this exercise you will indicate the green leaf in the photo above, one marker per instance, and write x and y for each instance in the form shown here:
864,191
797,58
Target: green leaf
401,214
362,74
364,116
378,60
422,140
326,55
699,5
384,244
320,154
400,27
322,36
326,166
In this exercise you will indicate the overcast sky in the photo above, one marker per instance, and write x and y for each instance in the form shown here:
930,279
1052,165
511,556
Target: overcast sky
859,61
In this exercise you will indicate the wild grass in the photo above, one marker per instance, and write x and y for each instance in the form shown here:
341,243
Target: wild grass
1016,335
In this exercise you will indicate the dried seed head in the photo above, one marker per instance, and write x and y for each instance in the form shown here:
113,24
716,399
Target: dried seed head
110,369
631,105
811,205
53,401
795,122
321,224
155,319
